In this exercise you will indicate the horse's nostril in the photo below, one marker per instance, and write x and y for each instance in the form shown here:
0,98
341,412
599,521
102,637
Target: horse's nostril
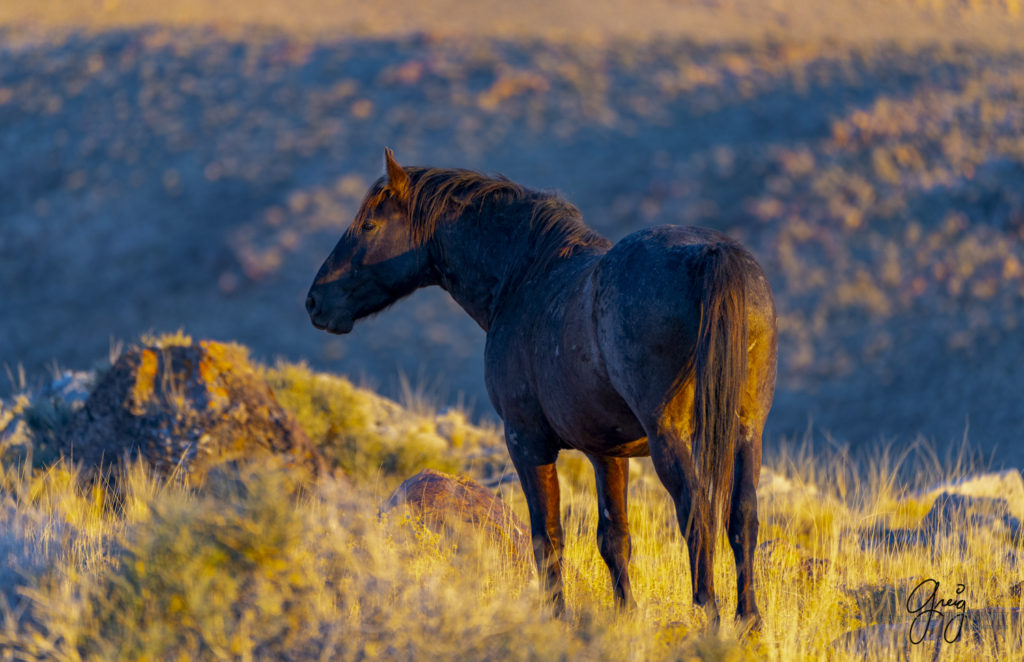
310,304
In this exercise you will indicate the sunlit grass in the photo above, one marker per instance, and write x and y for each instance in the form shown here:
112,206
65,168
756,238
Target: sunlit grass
567,20
374,439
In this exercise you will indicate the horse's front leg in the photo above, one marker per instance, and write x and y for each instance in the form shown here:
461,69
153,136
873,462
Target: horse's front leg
540,485
612,477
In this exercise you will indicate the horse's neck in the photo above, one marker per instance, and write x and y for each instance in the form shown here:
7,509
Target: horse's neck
483,264
472,267
480,262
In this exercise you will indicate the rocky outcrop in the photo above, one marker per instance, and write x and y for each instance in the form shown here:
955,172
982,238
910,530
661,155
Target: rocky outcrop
182,407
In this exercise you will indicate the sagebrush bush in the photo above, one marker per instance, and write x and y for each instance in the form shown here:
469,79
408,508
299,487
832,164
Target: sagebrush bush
364,434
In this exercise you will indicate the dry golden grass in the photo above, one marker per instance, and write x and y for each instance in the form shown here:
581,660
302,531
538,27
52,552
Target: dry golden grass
240,571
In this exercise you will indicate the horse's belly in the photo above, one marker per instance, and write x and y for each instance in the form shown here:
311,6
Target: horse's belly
597,421
635,448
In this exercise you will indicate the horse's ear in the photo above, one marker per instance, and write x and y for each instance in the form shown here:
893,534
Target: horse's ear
398,179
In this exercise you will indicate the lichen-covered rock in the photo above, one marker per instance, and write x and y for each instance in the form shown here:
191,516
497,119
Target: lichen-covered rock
1006,485
958,513
182,407
443,502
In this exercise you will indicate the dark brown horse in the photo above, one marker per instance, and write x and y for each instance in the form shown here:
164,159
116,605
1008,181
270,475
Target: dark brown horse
662,344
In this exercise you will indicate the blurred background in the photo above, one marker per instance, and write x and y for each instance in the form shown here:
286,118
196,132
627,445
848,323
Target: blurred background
186,164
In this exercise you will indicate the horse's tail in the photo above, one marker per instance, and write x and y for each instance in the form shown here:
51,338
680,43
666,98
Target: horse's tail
720,370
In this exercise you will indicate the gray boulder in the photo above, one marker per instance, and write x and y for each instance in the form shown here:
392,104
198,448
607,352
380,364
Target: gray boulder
1006,485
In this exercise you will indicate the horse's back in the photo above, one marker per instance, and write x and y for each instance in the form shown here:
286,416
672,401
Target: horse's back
647,314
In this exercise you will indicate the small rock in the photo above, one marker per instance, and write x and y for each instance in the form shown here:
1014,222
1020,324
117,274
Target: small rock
783,554
446,503
886,603
957,514
72,387
952,516
977,624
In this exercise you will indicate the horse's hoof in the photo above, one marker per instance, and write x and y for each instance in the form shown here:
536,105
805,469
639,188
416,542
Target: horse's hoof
714,621
748,623
558,606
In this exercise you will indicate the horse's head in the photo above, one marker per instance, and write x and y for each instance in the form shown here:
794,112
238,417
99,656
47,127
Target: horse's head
375,263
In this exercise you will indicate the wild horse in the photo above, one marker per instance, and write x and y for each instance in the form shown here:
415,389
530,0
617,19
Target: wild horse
661,344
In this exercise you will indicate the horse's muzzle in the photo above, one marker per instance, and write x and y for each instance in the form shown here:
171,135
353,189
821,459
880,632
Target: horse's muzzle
340,325
338,322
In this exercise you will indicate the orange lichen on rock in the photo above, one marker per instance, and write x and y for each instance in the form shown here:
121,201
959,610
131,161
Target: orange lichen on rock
212,364
145,377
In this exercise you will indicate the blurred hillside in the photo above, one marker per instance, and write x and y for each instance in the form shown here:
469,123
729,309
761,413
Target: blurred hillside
177,164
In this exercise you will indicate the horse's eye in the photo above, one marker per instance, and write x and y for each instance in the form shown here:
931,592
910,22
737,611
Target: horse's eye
368,226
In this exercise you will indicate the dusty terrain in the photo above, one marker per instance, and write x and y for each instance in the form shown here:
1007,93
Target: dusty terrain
165,167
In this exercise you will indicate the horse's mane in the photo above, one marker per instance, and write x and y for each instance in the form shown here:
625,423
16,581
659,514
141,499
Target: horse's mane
555,226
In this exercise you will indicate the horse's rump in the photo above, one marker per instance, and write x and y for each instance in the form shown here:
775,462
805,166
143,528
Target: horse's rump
671,319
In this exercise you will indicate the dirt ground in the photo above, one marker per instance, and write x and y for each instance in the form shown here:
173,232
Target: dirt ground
164,168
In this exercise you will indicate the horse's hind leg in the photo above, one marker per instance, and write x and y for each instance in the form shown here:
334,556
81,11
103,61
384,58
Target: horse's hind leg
673,461
612,477
743,525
